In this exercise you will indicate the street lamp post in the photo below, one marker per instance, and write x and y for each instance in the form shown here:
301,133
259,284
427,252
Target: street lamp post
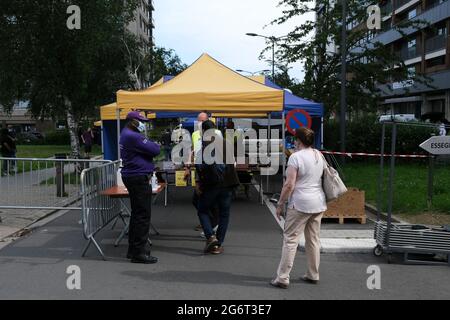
273,39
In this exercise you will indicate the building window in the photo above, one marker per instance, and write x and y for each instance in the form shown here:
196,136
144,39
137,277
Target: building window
412,14
412,44
442,31
411,72
436,62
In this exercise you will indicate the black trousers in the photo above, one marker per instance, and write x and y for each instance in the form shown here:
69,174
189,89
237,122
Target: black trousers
140,193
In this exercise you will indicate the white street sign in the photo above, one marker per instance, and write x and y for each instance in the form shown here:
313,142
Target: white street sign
437,145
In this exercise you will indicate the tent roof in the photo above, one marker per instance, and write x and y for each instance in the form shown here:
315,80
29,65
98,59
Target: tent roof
205,85
291,101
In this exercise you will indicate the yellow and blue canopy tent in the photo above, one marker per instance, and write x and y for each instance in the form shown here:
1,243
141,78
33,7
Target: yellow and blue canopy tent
205,85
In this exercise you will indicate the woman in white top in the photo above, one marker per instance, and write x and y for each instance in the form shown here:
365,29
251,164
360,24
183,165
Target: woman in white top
306,205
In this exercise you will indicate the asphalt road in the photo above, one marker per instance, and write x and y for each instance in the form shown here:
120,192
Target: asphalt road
34,267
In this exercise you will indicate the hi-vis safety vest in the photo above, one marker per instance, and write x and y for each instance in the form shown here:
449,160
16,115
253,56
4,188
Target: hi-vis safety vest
197,141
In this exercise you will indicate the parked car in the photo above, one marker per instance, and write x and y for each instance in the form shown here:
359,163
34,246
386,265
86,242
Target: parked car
398,117
30,137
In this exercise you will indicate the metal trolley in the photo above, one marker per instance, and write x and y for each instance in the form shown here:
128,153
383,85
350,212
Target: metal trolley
411,239
400,237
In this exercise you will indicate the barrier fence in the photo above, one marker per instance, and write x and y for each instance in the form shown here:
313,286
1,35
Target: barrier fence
42,184
98,210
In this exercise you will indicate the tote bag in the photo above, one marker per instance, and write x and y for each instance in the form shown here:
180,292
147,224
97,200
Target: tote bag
332,184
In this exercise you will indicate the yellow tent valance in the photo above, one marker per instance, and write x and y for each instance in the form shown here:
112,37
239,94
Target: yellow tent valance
108,112
205,85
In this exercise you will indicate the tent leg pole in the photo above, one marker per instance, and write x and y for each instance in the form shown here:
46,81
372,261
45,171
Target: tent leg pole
102,140
118,133
283,141
321,133
269,136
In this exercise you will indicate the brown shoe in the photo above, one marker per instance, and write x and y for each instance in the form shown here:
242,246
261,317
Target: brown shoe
198,228
211,243
217,250
275,283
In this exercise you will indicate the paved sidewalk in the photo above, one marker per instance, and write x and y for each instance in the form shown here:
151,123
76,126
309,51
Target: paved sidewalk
35,266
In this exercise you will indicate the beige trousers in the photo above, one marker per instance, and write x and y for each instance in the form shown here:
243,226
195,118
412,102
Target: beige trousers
295,224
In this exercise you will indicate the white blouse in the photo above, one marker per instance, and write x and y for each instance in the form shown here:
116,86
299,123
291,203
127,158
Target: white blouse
308,195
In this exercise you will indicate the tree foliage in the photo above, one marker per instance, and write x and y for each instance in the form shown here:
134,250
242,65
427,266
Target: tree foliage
315,43
63,72
165,62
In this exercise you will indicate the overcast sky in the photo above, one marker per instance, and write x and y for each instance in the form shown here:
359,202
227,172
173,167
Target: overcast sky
218,27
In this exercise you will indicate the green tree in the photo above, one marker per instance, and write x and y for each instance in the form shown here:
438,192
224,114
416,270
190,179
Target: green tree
62,72
165,62
284,80
370,63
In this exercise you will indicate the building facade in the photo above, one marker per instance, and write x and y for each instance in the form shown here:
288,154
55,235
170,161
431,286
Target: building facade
424,50
142,26
143,23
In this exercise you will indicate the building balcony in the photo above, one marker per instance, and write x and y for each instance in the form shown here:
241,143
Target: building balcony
409,53
435,43
403,4
439,81
400,3
436,13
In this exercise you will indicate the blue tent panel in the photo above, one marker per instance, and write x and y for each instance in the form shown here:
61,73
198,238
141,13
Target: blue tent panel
292,102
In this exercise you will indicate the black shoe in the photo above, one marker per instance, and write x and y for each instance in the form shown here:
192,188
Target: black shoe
144,259
308,280
130,254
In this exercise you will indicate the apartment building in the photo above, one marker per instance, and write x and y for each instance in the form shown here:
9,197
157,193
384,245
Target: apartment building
424,51
143,23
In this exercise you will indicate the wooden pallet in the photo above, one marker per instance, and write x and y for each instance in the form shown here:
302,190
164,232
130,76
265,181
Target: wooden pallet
350,205
361,220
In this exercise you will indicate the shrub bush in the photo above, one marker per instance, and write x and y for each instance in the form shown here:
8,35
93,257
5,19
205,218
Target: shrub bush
60,138
364,135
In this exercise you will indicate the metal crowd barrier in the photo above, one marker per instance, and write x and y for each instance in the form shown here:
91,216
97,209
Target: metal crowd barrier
98,210
42,184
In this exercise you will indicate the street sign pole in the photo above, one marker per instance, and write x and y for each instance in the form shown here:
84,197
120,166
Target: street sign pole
430,182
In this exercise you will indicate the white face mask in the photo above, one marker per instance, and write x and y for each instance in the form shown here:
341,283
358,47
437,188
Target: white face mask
141,127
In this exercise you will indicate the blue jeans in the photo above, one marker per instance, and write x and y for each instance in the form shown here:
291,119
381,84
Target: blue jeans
222,198
167,153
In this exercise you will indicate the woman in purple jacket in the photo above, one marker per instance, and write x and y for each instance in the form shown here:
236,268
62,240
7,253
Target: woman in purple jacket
137,154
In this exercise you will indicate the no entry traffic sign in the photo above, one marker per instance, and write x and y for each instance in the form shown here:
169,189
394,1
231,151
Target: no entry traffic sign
296,119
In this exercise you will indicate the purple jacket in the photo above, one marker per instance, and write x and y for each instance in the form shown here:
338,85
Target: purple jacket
137,153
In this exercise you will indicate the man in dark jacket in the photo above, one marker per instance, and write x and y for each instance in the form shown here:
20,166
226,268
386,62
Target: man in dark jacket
214,184
137,154
8,150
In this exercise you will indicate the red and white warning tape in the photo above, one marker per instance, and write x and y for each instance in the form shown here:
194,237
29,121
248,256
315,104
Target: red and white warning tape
350,154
